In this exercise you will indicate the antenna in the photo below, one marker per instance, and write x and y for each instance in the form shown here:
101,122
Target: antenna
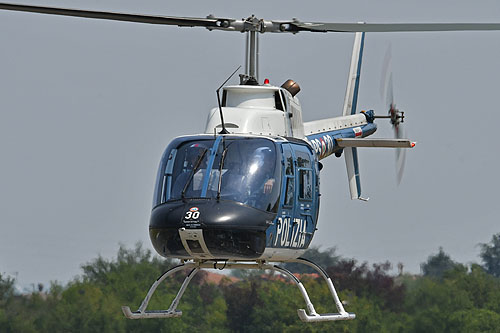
224,130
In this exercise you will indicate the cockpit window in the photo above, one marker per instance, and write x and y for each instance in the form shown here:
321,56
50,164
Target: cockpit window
189,169
249,171
237,169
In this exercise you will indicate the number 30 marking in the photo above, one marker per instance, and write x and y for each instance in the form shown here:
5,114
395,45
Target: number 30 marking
192,215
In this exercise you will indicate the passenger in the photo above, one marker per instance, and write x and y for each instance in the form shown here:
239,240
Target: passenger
192,154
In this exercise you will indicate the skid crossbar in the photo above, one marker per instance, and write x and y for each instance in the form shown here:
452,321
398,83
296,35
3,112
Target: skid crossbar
195,267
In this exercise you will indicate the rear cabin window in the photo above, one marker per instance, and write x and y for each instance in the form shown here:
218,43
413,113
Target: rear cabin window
303,159
305,184
289,192
305,178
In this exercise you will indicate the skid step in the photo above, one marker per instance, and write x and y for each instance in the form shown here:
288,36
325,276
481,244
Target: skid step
324,317
150,314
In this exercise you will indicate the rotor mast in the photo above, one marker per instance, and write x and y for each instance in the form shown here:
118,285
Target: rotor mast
252,56
252,27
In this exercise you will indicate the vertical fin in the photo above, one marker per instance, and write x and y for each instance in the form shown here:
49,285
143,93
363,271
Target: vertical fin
351,95
351,99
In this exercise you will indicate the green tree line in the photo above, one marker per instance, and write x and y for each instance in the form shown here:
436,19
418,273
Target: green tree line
447,297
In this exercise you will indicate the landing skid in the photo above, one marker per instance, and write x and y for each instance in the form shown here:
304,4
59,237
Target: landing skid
172,311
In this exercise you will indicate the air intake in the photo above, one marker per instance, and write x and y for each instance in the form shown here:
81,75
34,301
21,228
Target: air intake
292,87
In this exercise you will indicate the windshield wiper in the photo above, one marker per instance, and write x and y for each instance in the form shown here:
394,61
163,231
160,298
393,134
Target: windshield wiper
220,171
195,168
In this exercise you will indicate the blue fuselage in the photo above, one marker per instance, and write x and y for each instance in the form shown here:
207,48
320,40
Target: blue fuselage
240,197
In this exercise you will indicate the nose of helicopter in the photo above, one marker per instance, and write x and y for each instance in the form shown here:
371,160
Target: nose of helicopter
207,228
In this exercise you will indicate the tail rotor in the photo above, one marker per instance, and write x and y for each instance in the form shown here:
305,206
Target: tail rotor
395,115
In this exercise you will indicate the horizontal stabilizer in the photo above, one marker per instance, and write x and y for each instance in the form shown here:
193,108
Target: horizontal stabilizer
378,143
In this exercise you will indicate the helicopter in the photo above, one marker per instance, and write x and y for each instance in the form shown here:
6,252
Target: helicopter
246,192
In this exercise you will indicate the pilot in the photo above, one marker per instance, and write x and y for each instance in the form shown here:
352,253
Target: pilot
263,170
263,179
268,185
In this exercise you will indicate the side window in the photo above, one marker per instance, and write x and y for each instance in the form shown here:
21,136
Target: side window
305,184
289,192
303,159
167,185
288,163
289,177
277,101
283,98
224,97
305,172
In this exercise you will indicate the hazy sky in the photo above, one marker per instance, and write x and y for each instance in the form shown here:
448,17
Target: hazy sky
87,107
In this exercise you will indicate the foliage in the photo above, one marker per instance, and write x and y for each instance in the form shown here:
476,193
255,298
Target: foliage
449,297
375,283
326,258
490,255
437,264
6,287
457,303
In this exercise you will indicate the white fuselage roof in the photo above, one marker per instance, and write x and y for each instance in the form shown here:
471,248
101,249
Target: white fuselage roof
261,110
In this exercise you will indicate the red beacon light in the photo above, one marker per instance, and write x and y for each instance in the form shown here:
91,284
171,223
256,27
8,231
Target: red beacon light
266,81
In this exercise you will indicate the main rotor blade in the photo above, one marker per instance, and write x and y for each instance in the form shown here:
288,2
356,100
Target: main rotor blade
252,23
391,27
139,18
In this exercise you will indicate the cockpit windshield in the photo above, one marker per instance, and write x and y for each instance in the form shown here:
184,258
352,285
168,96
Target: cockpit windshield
190,166
246,170
249,173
